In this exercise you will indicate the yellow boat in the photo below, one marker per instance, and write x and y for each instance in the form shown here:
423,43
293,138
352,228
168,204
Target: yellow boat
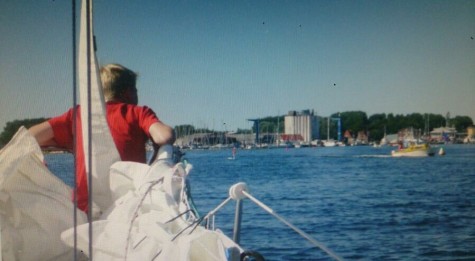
413,150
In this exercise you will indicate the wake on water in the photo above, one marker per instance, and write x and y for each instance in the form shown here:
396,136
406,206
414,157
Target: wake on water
372,156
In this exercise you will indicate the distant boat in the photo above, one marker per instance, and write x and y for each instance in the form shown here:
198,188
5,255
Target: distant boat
329,143
413,150
441,152
384,141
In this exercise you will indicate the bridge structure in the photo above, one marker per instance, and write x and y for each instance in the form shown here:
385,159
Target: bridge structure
256,127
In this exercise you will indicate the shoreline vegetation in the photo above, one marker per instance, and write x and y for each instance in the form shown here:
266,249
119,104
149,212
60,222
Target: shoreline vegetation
375,127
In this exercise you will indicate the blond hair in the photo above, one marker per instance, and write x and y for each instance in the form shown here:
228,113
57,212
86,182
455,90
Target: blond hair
116,79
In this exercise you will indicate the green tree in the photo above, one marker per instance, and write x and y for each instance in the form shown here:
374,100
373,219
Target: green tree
331,125
271,125
415,120
461,123
435,121
184,130
12,127
377,126
395,123
267,127
243,131
353,121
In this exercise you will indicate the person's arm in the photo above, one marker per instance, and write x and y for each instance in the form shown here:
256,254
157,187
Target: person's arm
43,133
162,134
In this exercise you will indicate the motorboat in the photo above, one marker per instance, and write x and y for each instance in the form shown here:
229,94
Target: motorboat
413,150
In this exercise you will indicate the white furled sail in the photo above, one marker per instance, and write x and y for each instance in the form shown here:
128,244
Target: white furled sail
102,153
150,220
35,205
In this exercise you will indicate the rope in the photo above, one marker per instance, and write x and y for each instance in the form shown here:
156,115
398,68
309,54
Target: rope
195,224
136,214
179,215
188,199
199,220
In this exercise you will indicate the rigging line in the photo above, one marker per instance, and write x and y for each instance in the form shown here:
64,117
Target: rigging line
189,200
135,215
75,201
199,220
159,252
195,224
138,243
296,229
179,215
89,121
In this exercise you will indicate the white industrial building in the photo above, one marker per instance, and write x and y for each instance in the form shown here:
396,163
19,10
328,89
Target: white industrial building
302,125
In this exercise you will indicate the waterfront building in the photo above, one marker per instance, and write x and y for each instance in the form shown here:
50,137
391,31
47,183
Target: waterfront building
362,138
443,134
302,124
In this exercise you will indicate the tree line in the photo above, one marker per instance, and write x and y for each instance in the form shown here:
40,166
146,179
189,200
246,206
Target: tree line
354,121
375,126
12,127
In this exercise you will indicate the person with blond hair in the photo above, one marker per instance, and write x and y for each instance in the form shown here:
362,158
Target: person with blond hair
131,125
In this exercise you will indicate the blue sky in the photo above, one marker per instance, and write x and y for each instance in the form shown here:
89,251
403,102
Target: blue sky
212,62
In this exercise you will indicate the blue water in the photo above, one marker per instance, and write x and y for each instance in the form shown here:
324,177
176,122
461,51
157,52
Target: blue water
358,201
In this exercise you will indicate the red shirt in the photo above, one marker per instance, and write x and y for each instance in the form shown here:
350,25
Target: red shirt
129,125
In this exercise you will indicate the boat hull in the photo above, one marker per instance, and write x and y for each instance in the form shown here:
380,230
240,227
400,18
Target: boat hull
413,151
